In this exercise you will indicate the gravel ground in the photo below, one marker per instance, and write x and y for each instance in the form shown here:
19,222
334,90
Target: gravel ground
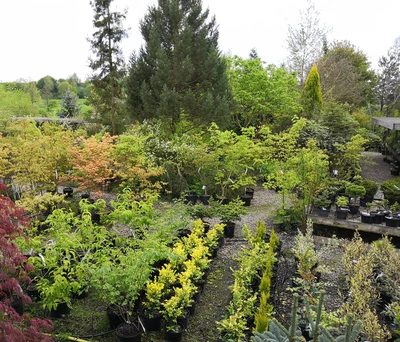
375,168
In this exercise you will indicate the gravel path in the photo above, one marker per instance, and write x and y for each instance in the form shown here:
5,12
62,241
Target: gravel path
375,168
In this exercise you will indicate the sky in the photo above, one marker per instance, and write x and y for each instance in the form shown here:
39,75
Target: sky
49,37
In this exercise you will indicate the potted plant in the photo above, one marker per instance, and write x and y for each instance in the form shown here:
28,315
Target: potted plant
175,311
341,209
394,220
371,187
200,211
322,202
228,213
152,305
191,197
355,192
205,198
391,191
367,217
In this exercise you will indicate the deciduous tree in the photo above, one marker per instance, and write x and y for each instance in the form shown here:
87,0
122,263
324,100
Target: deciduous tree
262,94
92,162
305,42
14,273
346,75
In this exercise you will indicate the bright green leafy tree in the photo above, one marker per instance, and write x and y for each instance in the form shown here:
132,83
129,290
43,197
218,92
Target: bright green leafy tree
262,94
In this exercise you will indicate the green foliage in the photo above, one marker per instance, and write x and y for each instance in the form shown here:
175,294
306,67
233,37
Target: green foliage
346,75
338,119
287,219
107,65
190,79
391,190
262,95
229,212
347,160
312,95
69,106
370,186
355,191
15,103
342,201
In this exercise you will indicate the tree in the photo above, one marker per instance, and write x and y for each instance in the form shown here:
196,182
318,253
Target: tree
92,162
262,95
253,53
48,89
312,95
63,87
179,71
33,91
305,43
14,273
69,106
389,80
107,64
15,102
346,76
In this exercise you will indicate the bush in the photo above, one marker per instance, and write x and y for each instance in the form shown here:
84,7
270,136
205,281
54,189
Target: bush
391,190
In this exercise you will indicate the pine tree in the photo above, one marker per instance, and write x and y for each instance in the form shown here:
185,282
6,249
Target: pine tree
179,71
69,106
312,94
107,64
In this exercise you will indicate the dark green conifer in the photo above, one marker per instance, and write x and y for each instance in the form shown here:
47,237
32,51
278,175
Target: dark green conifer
179,71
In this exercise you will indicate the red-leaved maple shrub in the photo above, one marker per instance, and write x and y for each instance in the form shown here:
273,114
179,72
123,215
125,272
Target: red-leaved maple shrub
13,272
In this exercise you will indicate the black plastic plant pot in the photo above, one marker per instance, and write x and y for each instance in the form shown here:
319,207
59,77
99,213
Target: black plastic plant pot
250,192
229,229
378,218
129,333
367,218
354,209
392,221
61,310
246,199
323,212
205,199
341,214
191,198
68,191
174,335
153,323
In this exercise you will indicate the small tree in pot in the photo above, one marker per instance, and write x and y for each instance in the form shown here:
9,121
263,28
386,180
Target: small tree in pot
228,213
355,192
341,209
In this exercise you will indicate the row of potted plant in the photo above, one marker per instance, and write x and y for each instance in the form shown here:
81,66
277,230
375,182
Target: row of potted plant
173,293
265,308
252,263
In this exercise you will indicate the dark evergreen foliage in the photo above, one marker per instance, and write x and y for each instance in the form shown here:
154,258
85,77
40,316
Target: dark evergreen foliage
69,107
389,80
107,64
179,71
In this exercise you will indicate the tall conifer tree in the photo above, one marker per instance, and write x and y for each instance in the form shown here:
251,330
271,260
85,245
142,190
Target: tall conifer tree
107,64
312,94
179,71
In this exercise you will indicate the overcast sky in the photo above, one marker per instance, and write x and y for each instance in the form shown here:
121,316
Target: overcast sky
49,37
